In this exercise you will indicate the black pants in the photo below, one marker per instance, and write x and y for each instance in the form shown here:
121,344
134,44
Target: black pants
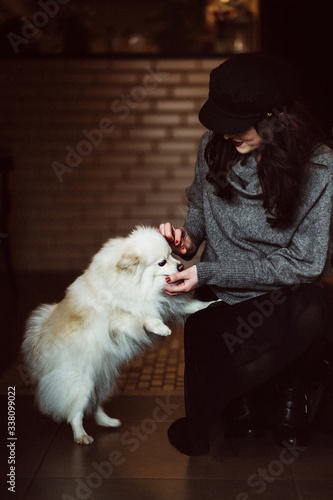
230,350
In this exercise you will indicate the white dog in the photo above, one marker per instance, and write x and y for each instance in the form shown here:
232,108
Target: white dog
75,349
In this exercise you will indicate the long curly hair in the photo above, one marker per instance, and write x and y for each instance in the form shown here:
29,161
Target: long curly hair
288,142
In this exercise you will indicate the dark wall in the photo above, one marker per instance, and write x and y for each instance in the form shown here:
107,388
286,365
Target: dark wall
302,32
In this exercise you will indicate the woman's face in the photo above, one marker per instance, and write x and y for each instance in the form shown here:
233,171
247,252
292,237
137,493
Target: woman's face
246,141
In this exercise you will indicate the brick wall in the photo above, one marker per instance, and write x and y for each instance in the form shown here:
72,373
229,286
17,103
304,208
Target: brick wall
100,145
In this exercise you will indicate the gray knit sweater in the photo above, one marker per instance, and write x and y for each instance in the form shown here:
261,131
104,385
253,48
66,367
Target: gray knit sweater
244,257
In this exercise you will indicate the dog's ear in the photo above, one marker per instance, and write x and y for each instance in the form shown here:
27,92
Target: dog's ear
128,263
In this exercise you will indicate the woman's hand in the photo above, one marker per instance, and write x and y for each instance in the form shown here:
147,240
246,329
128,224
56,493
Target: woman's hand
189,281
178,239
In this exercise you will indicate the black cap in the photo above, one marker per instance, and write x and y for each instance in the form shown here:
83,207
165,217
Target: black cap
246,87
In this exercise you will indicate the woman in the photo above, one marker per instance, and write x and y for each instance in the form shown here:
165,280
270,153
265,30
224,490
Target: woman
261,200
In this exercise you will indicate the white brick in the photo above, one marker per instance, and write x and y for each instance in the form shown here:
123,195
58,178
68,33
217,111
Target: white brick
167,78
181,209
124,106
137,175
190,92
146,173
147,133
117,77
106,174
178,222
201,78
174,185
161,119
138,146
166,198
181,171
177,65
191,158
137,185
113,158
88,106
175,106
122,199
181,146
193,119
131,64
187,133
160,91
125,226
209,64
152,211
104,212
163,158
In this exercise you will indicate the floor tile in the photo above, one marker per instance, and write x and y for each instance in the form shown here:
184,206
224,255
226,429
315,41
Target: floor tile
316,462
96,487
135,451
34,434
236,490
20,489
315,490
166,407
140,449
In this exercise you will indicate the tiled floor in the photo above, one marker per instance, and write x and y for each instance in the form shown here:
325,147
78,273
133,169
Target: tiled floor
157,371
136,460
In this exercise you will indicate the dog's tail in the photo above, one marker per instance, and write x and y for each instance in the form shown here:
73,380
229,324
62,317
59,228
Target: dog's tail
32,342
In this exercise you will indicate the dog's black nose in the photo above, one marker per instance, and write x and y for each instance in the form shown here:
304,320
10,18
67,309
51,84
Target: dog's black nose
180,267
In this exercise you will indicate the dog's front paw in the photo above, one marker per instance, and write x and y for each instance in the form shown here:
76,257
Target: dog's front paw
163,331
84,439
157,326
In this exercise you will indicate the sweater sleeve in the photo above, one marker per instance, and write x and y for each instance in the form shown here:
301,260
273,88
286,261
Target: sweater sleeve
303,260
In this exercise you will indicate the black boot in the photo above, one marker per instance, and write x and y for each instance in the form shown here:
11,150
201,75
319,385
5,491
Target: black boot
189,436
244,418
291,426
299,394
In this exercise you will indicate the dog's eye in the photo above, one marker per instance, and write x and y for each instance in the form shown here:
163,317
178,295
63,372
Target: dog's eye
162,263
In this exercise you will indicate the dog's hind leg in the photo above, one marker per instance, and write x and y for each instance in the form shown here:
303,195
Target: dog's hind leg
103,419
80,435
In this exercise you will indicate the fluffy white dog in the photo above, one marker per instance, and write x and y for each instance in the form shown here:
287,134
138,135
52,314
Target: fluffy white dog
75,349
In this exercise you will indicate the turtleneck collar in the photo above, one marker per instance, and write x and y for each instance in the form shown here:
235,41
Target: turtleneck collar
243,176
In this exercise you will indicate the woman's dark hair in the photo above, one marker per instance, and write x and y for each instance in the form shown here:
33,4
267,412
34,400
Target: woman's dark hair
288,142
